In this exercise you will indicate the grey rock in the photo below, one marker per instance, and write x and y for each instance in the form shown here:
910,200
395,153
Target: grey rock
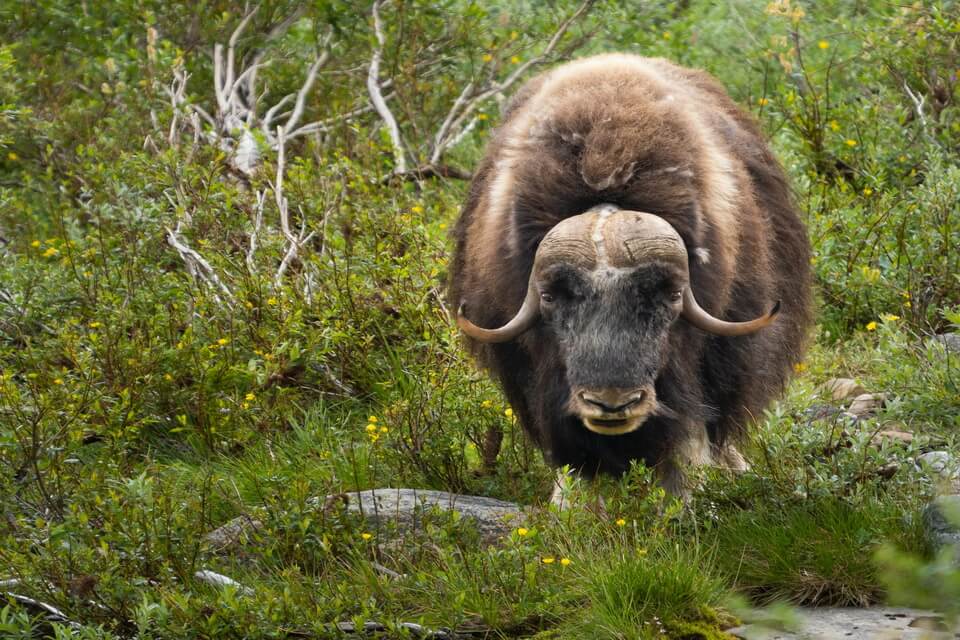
867,404
841,388
939,528
219,580
404,508
234,532
375,629
874,623
940,463
949,342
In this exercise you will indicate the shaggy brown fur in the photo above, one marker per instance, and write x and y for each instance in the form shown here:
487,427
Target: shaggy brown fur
646,135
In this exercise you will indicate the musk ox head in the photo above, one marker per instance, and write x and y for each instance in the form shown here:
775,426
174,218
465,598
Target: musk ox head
609,284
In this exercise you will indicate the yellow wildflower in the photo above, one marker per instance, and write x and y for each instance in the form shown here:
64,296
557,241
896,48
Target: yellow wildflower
168,377
250,396
383,429
443,225
522,532
548,560
762,102
890,317
641,552
416,208
223,341
366,536
508,412
35,244
487,57
486,404
867,191
272,301
372,419
565,562
58,381
514,35
50,252
834,125
800,367
371,428
621,522
850,142
823,44
515,59
482,116
12,156
871,326
94,325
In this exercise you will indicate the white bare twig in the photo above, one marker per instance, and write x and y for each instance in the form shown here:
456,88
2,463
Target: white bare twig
197,265
455,125
294,241
238,101
918,102
254,235
376,95
176,91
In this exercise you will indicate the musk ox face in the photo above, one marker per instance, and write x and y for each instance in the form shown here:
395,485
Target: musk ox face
609,284
612,326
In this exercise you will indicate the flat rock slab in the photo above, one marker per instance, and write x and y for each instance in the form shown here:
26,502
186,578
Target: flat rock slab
841,623
404,508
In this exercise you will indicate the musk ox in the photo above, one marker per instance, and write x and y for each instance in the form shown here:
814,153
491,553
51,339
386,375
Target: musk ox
630,244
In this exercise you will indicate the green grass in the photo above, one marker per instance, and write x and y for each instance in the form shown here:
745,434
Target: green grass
819,552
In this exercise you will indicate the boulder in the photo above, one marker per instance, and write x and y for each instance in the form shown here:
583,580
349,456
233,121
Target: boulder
842,388
949,342
829,623
404,508
867,404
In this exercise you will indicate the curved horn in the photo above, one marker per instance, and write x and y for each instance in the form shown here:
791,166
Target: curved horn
698,317
526,316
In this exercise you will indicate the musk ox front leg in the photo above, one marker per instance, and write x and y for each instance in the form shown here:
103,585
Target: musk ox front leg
566,485
696,450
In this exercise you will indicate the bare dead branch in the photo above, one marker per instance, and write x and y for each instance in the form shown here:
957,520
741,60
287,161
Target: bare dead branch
918,100
257,225
376,95
455,126
197,265
294,242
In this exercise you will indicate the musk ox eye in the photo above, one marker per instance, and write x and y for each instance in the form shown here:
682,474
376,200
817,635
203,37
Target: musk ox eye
676,296
546,297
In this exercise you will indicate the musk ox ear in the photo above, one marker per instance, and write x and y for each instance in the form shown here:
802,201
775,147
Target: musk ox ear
525,318
699,318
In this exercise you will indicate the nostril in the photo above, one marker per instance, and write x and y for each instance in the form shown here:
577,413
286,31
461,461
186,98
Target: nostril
614,403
